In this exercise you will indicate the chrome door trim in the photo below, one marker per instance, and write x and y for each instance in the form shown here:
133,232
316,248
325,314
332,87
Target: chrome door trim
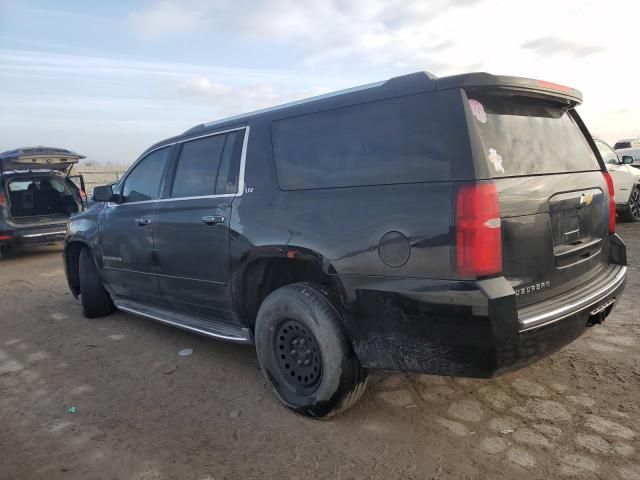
241,172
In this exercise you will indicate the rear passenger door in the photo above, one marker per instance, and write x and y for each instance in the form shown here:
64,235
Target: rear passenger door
192,226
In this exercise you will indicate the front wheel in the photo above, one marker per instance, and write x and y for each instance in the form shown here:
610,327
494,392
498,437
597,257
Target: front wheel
632,212
95,300
304,351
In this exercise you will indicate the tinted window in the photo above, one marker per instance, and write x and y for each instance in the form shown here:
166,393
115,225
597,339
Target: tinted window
143,183
390,141
524,137
197,168
608,155
620,145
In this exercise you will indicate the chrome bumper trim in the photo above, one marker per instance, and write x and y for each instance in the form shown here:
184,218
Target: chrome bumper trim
569,309
47,234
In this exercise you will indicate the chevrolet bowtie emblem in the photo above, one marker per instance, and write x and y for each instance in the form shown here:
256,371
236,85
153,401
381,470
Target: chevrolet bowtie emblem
586,199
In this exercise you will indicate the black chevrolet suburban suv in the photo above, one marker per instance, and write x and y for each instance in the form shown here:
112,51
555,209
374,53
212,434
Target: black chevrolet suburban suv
37,195
457,226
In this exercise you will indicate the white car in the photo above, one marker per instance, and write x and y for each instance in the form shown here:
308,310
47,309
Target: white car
629,147
626,182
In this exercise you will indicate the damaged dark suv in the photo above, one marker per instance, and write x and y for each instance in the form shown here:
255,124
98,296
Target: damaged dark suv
458,226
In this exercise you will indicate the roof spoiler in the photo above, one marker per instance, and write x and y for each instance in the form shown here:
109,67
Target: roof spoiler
423,81
543,88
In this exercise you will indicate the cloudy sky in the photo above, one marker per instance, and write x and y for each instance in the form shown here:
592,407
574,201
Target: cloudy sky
109,78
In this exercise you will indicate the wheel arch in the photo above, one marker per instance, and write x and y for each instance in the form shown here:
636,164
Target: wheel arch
267,268
72,264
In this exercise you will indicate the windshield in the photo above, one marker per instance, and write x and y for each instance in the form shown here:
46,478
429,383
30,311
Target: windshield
523,136
607,154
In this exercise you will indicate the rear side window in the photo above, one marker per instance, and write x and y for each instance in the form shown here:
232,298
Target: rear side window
197,169
143,183
620,145
208,166
384,142
522,136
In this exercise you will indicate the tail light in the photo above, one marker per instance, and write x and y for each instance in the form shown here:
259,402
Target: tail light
478,231
612,202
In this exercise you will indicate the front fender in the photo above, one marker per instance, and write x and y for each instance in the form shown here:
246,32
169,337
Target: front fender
82,231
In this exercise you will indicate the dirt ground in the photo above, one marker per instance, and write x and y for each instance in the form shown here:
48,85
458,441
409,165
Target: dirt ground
144,412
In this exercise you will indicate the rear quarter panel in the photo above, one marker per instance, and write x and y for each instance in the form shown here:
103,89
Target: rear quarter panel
343,226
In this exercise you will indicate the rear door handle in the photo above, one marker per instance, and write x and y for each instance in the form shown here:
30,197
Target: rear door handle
213,219
143,221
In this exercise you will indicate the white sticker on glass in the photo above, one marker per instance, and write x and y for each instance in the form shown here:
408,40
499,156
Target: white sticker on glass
478,110
496,160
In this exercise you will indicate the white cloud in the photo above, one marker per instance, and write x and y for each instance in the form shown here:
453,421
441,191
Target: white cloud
203,87
164,18
321,46
228,99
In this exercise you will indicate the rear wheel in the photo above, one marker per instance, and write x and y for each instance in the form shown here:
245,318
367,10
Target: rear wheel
304,351
96,301
632,212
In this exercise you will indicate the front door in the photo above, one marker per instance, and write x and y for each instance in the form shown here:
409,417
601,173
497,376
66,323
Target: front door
192,227
127,231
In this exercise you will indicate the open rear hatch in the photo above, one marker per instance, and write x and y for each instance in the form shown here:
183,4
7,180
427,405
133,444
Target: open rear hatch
553,195
38,158
36,193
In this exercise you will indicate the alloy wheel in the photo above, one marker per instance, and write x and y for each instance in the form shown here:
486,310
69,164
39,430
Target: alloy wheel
634,204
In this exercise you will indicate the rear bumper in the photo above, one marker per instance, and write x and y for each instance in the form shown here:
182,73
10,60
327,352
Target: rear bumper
466,328
40,235
550,327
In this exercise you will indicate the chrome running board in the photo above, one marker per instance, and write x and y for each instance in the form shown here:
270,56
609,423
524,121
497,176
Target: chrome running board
192,324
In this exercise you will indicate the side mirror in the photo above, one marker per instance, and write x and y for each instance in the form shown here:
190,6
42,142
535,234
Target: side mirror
627,159
103,194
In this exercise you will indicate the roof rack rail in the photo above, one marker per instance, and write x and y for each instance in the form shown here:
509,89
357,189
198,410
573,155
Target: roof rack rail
409,77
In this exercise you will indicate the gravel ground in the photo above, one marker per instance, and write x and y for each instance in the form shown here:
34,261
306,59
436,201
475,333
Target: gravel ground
144,412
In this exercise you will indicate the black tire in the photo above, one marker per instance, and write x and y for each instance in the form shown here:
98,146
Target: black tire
96,301
307,310
632,212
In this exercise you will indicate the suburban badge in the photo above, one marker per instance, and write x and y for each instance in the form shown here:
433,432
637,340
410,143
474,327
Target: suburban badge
534,287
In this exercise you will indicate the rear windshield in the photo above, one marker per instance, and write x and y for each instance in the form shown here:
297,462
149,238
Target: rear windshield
525,137
382,142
